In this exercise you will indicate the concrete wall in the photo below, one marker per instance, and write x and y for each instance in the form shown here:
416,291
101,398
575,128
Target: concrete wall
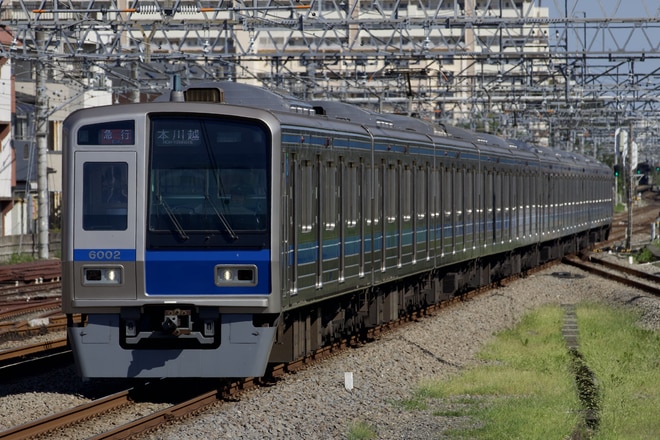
27,245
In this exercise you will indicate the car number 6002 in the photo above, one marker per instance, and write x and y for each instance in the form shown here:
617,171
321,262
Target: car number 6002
104,255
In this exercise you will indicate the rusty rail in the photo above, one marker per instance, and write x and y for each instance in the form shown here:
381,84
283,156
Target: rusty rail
70,417
622,274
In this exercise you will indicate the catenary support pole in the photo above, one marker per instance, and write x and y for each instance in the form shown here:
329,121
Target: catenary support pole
42,151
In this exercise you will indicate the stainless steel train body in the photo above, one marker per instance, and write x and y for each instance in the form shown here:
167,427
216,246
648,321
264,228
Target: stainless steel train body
205,239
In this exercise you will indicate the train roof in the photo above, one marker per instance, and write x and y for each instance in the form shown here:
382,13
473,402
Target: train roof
234,93
229,92
349,112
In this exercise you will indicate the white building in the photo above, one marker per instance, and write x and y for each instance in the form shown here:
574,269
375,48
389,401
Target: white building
389,55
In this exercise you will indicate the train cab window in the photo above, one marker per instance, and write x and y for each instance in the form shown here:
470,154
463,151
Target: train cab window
209,182
105,196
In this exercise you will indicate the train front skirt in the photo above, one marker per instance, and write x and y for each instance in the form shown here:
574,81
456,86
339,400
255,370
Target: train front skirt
243,352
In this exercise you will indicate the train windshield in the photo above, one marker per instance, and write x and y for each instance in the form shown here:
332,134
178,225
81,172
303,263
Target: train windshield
209,182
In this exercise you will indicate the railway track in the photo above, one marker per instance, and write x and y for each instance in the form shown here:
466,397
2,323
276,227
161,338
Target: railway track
33,359
30,279
108,406
20,320
14,309
61,420
644,216
11,355
97,409
123,401
627,275
128,402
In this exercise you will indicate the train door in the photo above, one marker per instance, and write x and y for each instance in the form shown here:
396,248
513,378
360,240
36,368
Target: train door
497,206
369,217
468,210
300,213
364,232
292,219
378,217
407,228
525,188
448,235
351,253
422,228
355,246
489,208
459,209
390,210
481,207
435,221
105,211
506,207
328,238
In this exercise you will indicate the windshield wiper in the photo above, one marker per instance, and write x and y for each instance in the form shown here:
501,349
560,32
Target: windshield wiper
222,218
173,219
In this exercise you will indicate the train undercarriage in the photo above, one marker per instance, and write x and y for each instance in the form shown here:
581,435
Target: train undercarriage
304,330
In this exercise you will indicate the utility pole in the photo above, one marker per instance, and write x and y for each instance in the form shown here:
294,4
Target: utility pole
629,177
41,133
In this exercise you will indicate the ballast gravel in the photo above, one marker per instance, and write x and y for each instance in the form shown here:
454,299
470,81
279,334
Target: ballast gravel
315,404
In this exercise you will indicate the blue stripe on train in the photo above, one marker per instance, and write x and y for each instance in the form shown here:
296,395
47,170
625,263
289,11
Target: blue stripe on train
188,273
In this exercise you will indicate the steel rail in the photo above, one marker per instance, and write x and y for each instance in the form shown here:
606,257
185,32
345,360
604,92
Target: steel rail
162,416
12,309
614,274
72,416
20,352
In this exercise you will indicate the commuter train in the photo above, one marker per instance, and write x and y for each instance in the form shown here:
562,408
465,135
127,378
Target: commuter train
228,227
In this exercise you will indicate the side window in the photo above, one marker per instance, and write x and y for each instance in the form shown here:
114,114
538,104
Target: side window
436,198
421,189
105,196
407,197
330,205
308,190
447,195
352,192
391,197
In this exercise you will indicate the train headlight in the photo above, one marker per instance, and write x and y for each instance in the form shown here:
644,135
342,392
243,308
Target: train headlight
93,276
235,275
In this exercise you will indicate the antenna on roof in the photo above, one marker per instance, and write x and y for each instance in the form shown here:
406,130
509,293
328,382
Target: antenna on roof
176,95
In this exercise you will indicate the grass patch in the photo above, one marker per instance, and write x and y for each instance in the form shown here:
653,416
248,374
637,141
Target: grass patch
524,387
644,256
361,431
20,258
626,360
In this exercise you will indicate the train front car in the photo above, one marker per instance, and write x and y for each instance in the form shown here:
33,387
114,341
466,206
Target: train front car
168,240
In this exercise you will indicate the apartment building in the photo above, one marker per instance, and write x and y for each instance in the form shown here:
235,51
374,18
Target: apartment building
448,61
